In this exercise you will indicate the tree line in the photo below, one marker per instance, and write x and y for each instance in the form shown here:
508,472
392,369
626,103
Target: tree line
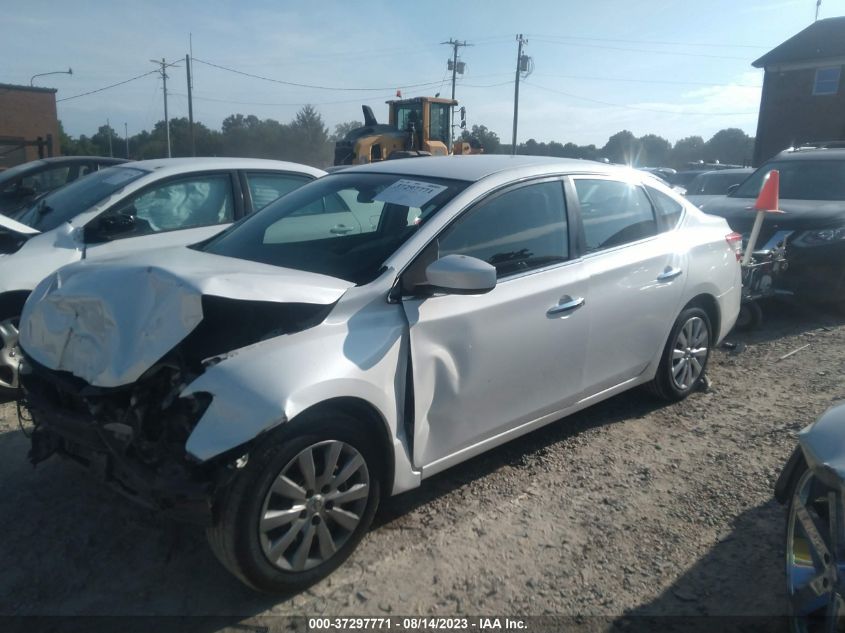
307,139
728,146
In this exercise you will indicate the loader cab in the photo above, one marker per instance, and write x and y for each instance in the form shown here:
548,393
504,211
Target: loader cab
425,120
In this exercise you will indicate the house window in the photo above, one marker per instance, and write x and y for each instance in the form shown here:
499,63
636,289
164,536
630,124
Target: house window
827,81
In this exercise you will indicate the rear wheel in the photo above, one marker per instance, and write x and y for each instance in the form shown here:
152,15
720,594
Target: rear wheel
750,316
685,356
815,535
300,506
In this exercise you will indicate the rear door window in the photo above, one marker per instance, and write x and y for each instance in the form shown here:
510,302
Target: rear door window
613,213
265,187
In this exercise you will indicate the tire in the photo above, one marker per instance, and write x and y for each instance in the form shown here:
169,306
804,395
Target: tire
9,354
668,384
808,557
750,316
264,521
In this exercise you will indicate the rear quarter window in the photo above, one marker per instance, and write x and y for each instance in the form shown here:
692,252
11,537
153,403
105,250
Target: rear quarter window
667,209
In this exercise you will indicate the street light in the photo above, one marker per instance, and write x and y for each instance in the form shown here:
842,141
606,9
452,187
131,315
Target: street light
69,71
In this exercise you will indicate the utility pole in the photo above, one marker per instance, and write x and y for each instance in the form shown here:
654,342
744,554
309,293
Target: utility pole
453,66
163,72
190,105
516,90
126,136
108,126
524,64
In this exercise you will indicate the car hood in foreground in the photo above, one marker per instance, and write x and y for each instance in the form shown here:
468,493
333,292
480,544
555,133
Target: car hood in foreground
798,214
109,321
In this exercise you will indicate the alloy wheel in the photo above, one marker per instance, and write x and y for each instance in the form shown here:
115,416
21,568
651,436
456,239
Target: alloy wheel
815,543
314,505
9,353
689,353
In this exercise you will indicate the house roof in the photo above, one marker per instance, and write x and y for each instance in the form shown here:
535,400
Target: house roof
4,87
824,39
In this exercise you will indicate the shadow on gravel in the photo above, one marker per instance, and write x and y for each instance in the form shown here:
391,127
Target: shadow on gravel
517,452
781,318
739,581
73,547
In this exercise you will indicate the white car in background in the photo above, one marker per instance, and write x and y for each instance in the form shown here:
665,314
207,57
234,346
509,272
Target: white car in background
272,386
135,206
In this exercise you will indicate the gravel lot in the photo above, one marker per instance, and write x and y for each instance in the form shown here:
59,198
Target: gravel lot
629,507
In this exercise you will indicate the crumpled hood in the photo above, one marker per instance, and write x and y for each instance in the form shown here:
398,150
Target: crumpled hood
107,321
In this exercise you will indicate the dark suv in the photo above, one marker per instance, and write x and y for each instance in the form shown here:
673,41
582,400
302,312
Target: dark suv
812,196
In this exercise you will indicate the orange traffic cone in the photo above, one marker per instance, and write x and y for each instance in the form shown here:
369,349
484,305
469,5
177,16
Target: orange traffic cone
767,202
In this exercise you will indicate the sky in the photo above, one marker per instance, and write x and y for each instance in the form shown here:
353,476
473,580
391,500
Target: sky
672,68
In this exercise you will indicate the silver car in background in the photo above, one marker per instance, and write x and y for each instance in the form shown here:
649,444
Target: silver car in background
274,386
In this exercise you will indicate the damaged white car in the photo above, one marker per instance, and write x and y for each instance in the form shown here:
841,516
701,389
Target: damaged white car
135,206
274,387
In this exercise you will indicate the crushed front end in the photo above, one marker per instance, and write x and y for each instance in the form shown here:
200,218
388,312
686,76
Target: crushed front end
133,438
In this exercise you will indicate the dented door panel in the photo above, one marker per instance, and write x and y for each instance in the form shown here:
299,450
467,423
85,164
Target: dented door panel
483,364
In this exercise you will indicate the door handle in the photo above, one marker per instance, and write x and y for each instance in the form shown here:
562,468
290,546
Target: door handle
566,306
340,229
669,274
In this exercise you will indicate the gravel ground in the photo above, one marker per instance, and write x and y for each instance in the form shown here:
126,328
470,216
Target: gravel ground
630,507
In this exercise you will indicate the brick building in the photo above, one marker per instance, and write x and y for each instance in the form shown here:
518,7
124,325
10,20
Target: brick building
803,99
27,114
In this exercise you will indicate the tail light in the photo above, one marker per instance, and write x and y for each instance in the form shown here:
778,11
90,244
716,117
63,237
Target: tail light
734,240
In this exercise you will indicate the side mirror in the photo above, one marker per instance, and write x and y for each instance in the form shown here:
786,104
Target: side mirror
110,226
461,275
732,188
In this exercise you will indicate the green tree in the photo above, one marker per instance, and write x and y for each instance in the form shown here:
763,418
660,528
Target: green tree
654,151
623,147
731,145
687,150
342,129
488,139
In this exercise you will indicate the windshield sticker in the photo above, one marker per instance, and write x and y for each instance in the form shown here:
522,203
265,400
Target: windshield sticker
409,193
121,175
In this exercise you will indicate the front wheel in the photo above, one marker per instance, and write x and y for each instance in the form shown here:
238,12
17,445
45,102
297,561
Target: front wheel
814,559
300,506
9,355
685,356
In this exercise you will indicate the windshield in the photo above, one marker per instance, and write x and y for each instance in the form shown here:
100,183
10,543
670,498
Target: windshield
66,203
343,225
714,184
800,180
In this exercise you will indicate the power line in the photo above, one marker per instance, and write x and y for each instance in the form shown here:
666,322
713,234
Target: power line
120,83
628,107
312,86
658,42
636,50
648,81
260,103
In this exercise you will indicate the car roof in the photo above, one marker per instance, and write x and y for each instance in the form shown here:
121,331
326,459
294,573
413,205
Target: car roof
735,170
476,167
172,166
815,153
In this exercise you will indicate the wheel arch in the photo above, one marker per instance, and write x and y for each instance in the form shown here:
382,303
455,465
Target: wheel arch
708,303
370,418
13,300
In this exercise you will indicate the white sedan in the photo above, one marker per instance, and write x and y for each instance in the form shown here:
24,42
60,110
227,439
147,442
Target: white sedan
135,206
274,386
